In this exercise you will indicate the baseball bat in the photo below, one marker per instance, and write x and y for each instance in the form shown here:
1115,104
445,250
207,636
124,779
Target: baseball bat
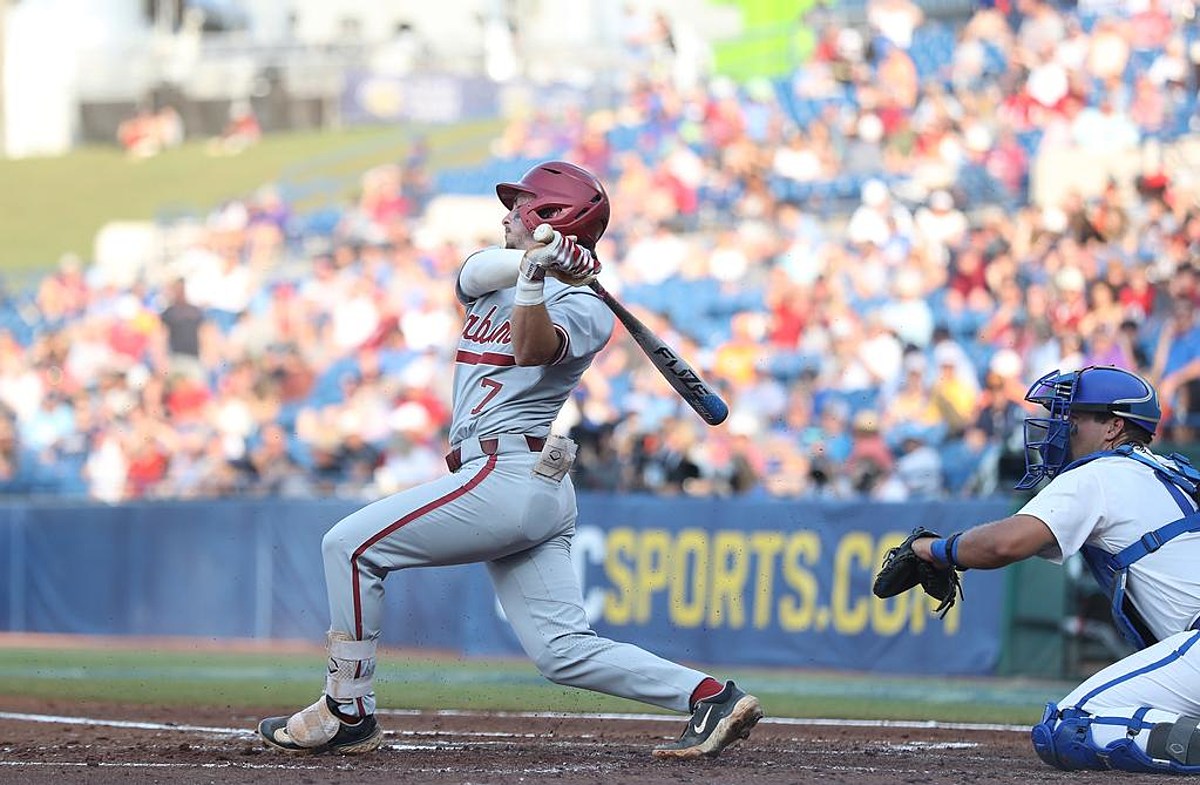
693,389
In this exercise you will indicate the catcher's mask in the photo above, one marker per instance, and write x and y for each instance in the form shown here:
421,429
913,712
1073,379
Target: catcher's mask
566,196
1102,389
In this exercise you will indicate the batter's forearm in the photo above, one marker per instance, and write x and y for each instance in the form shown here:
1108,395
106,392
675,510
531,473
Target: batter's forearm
534,339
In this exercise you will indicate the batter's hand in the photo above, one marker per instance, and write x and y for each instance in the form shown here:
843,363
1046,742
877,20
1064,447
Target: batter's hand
572,263
537,259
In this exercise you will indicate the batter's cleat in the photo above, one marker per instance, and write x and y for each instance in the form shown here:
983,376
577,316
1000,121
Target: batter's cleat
339,736
716,723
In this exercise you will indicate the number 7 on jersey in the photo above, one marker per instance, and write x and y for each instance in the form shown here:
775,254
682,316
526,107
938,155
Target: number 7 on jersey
491,393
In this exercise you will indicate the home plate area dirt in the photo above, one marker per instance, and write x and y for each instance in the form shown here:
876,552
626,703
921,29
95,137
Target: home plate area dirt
42,742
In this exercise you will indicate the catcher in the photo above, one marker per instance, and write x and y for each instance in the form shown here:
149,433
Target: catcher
1132,514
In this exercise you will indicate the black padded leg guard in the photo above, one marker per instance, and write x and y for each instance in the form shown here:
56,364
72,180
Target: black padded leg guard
1177,741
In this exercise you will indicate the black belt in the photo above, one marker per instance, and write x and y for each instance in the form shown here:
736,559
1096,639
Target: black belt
489,447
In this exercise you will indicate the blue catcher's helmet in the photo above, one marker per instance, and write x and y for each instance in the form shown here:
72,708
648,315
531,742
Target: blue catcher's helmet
1103,389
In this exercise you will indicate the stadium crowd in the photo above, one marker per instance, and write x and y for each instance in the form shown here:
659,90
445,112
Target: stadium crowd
853,255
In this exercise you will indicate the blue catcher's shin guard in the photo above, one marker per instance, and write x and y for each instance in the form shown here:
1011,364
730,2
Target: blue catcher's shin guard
1063,740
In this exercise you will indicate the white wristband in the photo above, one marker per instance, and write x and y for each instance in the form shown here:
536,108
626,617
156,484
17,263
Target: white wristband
529,292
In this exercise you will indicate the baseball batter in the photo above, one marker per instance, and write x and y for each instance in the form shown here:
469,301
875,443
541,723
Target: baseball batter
531,331
1132,514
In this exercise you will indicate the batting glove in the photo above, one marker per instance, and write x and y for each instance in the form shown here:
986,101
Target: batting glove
566,256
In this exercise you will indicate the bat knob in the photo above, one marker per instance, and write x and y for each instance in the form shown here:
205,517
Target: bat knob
544,233
716,409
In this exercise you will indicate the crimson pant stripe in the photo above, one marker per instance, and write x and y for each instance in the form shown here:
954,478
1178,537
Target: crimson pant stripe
407,519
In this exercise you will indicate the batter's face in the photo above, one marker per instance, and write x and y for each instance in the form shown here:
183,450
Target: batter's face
516,236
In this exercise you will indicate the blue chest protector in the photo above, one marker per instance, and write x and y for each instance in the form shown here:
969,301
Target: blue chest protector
1111,570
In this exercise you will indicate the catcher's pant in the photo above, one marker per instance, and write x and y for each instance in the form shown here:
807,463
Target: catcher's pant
494,510
1164,677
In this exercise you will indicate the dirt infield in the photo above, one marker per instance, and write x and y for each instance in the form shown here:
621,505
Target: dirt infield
44,743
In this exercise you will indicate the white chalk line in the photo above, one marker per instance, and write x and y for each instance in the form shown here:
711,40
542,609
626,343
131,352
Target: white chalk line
138,765
58,719
16,764
841,723
792,721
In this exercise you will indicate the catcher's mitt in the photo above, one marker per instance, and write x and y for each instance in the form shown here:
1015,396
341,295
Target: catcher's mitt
903,569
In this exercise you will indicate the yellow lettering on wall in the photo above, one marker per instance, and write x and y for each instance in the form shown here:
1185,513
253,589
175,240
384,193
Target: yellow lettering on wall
920,611
651,570
850,614
619,551
796,613
708,578
730,566
953,619
923,616
688,599
765,546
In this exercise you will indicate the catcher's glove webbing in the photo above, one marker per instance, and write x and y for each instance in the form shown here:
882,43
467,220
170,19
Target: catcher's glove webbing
903,569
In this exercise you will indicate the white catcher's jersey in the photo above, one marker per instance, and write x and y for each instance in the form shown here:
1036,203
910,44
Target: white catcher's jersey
1110,503
492,394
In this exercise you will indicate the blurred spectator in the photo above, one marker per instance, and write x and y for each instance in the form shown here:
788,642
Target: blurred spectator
182,335
941,224
240,133
919,467
895,20
666,464
10,455
971,467
879,218
150,132
870,461
829,444
953,390
1177,367
274,472
107,467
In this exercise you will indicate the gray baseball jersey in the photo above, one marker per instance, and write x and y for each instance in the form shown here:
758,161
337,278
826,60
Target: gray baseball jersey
493,509
494,395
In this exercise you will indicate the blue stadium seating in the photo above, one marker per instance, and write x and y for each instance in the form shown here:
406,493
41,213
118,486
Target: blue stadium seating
932,50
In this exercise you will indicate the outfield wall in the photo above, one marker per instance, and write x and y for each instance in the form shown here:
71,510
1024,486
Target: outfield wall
735,582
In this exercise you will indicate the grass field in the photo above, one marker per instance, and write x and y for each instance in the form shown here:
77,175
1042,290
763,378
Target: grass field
50,206
208,676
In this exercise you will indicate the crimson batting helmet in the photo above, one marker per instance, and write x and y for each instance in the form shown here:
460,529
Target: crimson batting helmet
568,197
